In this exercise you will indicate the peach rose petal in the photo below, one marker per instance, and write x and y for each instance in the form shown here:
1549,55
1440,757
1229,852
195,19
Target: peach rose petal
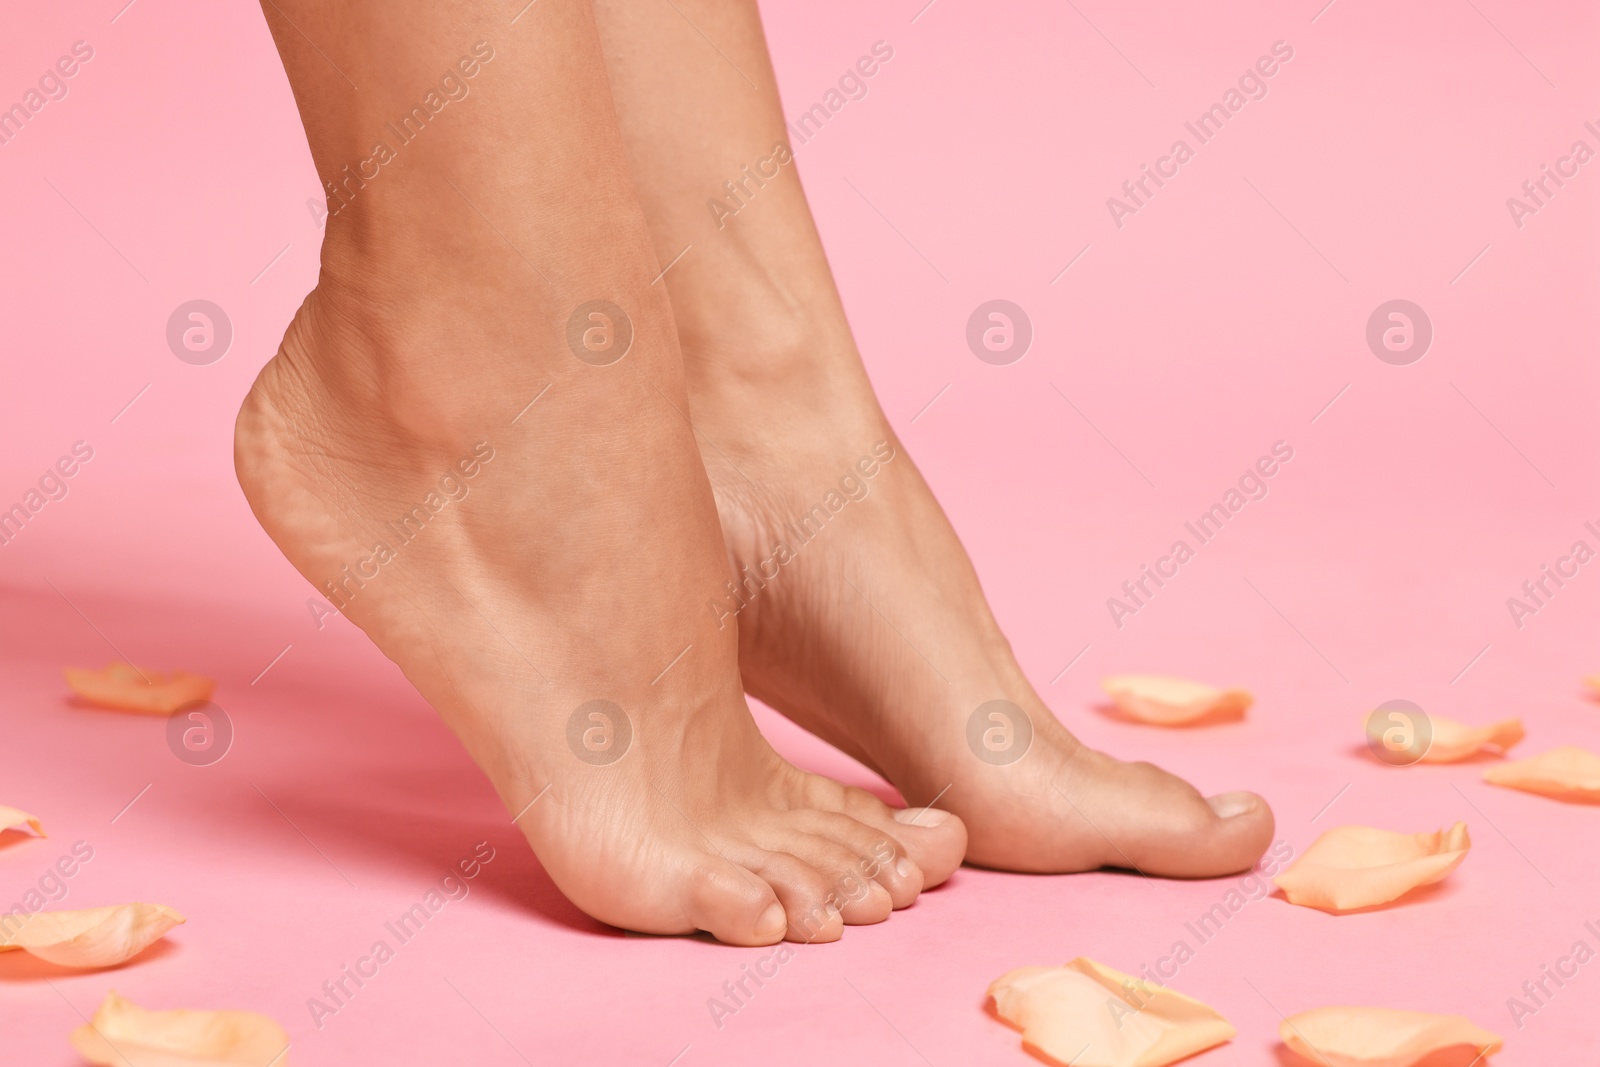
1352,867
1453,741
1166,701
1088,1015
1381,1037
122,1034
1566,773
93,937
16,818
124,686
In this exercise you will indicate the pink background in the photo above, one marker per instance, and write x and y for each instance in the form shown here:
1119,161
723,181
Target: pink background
1190,340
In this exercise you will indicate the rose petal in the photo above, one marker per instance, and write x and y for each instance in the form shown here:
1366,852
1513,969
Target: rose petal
1454,741
121,685
1566,773
1166,701
12,818
122,1034
93,937
1353,867
1380,1037
1088,1015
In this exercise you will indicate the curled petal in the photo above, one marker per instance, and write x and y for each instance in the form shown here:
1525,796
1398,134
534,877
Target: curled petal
122,685
15,818
1352,867
1167,701
122,1034
1453,741
93,937
1381,1037
1088,1015
1566,773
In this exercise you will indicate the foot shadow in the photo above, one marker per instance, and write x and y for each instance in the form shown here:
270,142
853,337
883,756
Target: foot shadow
414,822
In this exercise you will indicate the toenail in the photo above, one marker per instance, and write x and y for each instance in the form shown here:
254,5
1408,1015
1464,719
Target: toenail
905,868
772,923
1229,805
924,817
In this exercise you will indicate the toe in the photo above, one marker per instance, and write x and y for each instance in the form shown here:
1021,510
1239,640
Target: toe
934,840
879,856
734,905
860,899
1178,833
812,912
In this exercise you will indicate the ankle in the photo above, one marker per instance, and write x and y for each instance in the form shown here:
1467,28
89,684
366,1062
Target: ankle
368,364
766,354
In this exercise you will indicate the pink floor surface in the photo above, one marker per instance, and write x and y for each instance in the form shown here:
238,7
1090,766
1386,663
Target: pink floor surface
1226,314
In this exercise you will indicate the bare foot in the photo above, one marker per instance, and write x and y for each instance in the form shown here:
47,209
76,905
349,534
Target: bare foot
519,571
864,623
871,630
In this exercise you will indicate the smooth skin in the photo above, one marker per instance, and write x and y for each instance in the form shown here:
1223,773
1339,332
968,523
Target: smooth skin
595,510
576,566
878,637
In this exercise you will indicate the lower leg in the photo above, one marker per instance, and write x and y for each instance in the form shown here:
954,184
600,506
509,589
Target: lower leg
503,492
778,388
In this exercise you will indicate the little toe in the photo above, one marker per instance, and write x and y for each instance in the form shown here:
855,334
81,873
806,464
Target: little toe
811,911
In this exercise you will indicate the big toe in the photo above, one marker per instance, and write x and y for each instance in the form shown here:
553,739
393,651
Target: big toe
1172,830
935,839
